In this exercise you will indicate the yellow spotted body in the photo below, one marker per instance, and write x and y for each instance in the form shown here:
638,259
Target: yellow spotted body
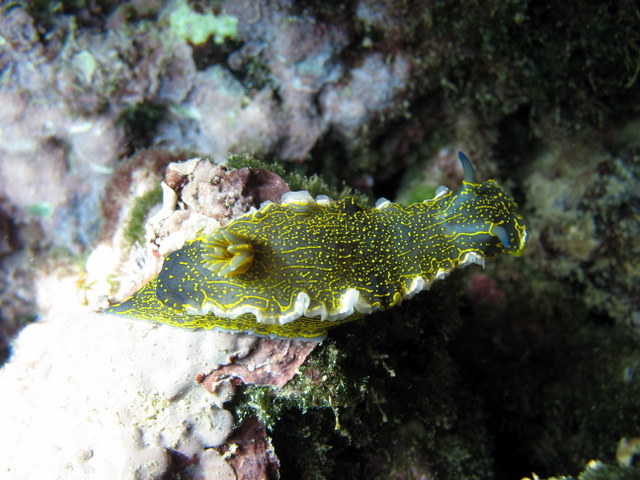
295,269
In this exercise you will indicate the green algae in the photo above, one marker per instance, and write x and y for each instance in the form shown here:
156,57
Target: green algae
197,28
297,180
41,209
241,160
312,389
142,205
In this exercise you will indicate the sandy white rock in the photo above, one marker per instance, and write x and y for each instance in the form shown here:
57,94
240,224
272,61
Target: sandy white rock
91,396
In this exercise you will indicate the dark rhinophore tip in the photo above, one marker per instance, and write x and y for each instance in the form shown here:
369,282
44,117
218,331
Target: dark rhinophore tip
467,167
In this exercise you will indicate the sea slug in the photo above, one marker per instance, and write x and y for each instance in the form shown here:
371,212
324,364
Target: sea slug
300,267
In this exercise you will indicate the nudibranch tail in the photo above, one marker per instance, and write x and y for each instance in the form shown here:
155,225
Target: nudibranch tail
298,268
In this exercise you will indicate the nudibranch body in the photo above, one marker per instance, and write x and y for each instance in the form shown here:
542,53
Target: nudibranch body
298,268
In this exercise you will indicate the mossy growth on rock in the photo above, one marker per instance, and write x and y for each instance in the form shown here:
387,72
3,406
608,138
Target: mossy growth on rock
197,28
142,205
297,180
381,397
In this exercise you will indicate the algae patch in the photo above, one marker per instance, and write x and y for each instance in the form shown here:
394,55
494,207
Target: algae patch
139,213
197,28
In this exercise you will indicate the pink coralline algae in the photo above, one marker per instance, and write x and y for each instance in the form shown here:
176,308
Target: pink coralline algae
484,289
250,452
272,362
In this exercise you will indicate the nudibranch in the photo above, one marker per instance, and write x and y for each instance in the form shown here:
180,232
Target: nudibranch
297,268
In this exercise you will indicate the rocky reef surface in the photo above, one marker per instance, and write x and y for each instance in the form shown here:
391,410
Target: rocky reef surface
529,366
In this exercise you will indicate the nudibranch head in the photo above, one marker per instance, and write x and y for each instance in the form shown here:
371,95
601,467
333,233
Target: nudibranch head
483,213
297,268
